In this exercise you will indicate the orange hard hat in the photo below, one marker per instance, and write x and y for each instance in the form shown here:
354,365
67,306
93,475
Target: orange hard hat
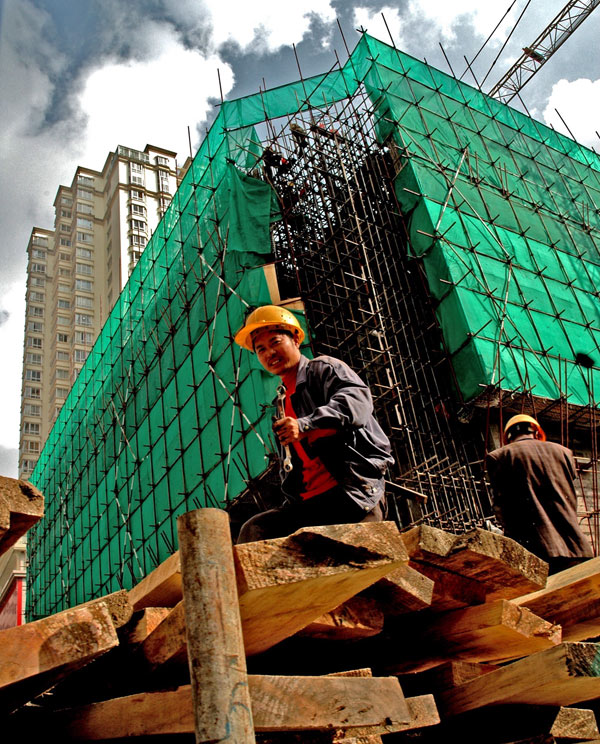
268,316
523,418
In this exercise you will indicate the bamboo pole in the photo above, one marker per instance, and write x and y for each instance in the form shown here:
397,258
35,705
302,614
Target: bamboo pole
216,656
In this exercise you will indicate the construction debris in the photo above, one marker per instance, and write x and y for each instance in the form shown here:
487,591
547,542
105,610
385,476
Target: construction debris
21,506
297,639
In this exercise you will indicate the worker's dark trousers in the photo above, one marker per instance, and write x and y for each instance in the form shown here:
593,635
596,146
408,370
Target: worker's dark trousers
331,507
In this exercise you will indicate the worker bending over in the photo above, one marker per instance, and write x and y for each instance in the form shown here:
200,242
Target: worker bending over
534,494
338,451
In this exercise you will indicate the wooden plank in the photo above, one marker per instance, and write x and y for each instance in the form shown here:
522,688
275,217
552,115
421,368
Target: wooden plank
35,656
501,564
451,591
167,643
404,590
563,675
161,587
142,624
286,583
278,704
21,506
359,617
215,645
571,598
442,677
118,605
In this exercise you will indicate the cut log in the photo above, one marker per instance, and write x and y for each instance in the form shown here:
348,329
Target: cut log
404,590
359,617
501,564
33,657
571,598
278,704
215,646
21,506
563,675
161,587
118,605
167,643
286,583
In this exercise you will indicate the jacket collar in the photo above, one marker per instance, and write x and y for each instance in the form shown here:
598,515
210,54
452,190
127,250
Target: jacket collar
302,371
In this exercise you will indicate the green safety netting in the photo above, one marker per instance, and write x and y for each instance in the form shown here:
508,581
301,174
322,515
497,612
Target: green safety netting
168,414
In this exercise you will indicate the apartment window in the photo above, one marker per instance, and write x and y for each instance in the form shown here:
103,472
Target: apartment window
135,167
29,446
62,320
85,208
62,338
62,374
84,237
64,288
65,228
164,185
33,375
137,225
62,392
164,202
137,194
28,465
83,285
84,222
38,281
80,355
64,256
32,409
36,296
64,304
138,209
37,312
86,180
82,319
35,343
40,240
62,356
82,268
65,241
84,194
66,213
64,272
162,160
139,240
37,253
83,301
32,358
30,427
84,253
38,268
33,392
67,201
35,326
83,337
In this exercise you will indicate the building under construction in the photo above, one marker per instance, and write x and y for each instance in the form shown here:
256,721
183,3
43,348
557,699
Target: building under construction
442,243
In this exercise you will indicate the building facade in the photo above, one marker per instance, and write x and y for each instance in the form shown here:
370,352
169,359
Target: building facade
75,273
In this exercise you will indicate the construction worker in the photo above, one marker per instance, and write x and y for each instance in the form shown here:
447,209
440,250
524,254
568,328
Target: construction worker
333,453
534,494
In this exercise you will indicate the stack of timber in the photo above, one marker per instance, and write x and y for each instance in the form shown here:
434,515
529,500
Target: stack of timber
344,634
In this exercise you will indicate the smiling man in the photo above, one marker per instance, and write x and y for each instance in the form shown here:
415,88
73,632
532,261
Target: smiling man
339,453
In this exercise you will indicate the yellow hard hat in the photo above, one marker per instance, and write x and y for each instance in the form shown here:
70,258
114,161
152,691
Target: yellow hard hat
268,316
523,418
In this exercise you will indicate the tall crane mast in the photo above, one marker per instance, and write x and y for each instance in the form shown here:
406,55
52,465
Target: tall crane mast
540,51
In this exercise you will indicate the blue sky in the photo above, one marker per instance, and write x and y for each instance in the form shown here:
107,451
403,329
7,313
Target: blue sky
79,77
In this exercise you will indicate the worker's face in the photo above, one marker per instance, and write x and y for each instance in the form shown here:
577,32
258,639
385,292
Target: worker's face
276,351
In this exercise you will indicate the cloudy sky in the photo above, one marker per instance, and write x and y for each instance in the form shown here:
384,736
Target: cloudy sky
79,77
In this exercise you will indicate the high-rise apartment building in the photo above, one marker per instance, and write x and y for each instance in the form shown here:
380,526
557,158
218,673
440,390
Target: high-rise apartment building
74,276
75,273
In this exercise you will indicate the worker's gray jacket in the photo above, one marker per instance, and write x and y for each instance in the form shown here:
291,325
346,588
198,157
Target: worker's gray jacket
330,395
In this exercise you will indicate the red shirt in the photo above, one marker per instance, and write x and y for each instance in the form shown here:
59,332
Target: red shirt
316,478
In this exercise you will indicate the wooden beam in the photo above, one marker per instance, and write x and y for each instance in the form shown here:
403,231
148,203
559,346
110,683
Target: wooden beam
278,704
215,646
118,605
404,590
571,598
286,583
167,643
21,506
501,564
443,677
142,624
359,617
563,675
451,591
161,587
35,656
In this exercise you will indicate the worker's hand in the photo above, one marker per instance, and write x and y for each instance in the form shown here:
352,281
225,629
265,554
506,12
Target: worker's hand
287,430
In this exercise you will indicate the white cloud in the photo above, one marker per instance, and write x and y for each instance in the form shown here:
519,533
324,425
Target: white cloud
372,21
578,102
11,344
139,102
441,17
